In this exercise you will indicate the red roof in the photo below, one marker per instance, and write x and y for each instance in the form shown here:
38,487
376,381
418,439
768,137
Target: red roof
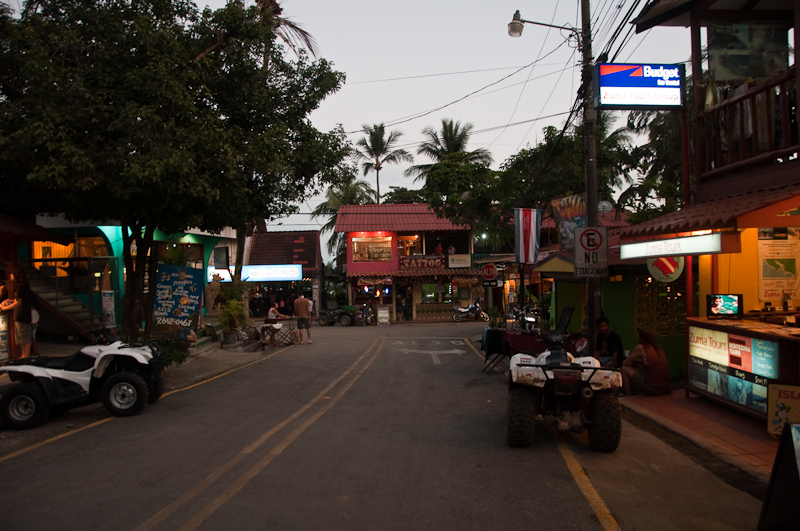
391,217
717,213
288,247
613,219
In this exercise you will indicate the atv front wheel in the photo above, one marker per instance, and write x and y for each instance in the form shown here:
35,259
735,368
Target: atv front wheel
521,417
345,320
605,429
125,394
24,406
157,389
323,320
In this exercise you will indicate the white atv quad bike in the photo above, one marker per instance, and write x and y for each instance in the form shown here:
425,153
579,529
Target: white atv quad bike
572,392
126,377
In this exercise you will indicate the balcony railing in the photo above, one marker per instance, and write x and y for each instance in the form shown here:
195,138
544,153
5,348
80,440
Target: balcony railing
753,128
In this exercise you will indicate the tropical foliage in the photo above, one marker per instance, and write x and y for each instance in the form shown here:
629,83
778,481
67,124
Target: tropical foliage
450,143
377,149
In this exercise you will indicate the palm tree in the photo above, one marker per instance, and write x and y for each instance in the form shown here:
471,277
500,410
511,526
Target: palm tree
377,149
450,143
349,191
290,32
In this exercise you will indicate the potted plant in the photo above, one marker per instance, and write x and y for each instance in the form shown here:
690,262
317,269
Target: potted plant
232,316
494,318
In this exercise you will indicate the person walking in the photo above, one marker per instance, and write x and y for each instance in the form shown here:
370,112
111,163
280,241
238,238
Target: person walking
303,316
22,304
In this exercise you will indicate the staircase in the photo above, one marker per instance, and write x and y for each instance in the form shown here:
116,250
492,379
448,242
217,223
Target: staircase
64,307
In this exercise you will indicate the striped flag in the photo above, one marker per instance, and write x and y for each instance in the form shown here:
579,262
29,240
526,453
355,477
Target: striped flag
527,223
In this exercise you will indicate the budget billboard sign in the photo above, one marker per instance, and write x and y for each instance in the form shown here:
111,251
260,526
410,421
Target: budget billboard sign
637,86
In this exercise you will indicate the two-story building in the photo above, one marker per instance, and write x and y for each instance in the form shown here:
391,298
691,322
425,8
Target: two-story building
404,256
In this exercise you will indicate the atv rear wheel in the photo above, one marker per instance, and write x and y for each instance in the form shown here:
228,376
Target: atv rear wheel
521,417
24,406
605,429
323,320
345,320
125,394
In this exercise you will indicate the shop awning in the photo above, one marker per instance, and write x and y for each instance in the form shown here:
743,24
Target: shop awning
733,212
391,217
416,273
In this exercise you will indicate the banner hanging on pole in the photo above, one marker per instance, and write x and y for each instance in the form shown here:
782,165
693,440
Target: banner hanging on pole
527,224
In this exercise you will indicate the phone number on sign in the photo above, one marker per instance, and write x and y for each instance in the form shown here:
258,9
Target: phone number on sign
173,321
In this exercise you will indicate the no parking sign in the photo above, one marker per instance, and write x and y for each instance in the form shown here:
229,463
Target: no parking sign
591,252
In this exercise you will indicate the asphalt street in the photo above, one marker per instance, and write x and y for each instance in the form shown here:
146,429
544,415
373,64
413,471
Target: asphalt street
390,427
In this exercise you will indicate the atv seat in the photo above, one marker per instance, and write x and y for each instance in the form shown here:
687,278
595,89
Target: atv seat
77,362
558,357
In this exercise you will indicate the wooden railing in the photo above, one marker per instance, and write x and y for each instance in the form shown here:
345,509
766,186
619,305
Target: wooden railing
754,128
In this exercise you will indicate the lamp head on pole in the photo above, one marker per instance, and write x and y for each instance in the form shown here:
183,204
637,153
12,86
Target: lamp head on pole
515,26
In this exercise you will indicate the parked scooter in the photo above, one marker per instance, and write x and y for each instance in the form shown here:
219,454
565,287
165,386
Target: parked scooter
473,311
364,316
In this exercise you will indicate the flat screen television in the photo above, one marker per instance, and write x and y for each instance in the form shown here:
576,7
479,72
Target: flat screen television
724,306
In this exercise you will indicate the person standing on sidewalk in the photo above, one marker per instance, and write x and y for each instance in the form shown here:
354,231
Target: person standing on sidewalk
22,305
648,356
303,316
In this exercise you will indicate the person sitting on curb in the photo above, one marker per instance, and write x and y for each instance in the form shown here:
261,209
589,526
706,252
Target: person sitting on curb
607,345
646,368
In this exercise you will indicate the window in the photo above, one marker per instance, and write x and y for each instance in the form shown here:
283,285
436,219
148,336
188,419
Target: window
372,249
408,245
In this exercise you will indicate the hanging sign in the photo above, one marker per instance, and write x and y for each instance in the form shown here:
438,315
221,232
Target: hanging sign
637,86
666,268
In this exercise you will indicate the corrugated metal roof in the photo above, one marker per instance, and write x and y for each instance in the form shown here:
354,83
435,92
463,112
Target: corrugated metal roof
720,213
287,247
391,217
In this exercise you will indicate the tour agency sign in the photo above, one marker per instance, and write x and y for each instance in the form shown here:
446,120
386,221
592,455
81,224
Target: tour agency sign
638,86
591,252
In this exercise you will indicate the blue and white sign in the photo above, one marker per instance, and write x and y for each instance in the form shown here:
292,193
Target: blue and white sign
260,273
637,86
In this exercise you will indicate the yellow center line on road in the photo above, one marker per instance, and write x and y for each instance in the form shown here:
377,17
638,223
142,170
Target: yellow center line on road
475,350
584,483
197,520
226,467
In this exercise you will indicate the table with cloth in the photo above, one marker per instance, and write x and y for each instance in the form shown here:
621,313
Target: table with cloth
498,344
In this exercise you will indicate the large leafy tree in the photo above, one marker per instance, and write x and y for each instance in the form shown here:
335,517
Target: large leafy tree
400,194
348,190
157,116
449,143
379,148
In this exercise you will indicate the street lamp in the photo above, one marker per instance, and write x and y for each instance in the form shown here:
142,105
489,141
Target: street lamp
589,121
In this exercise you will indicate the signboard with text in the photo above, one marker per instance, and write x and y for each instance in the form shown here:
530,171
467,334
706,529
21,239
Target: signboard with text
421,261
176,306
259,273
591,252
733,367
637,86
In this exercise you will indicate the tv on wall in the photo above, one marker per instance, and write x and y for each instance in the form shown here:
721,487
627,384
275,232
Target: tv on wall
724,306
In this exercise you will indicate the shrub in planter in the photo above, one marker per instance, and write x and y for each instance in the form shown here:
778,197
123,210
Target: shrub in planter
232,316
174,353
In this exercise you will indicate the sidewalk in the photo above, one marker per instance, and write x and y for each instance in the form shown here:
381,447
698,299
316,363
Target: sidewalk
736,438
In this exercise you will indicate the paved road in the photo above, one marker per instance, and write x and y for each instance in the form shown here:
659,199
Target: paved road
368,428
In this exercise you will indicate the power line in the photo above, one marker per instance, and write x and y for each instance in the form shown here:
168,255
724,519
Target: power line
442,74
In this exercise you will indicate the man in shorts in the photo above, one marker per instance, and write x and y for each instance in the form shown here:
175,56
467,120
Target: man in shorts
303,316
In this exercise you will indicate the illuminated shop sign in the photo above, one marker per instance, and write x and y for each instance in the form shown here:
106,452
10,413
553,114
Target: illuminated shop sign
733,367
637,86
260,273
692,245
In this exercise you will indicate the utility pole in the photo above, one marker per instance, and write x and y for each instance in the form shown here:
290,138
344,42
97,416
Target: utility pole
593,302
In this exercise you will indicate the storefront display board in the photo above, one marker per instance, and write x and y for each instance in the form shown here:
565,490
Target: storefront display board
736,364
783,406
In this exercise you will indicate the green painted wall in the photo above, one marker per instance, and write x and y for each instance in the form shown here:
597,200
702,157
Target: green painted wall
568,294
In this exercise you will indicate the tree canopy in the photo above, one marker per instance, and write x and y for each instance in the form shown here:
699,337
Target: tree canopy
159,116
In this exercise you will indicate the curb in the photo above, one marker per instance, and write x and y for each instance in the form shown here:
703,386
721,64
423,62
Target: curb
741,464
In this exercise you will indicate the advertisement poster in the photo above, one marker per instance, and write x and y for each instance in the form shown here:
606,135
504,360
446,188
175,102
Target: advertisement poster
737,52
784,407
177,302
778,256
383,314
733,367
109,314
568,213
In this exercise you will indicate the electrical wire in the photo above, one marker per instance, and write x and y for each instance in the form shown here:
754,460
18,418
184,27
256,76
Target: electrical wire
442,74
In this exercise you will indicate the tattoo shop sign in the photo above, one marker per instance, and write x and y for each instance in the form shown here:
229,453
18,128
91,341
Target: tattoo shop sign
421,262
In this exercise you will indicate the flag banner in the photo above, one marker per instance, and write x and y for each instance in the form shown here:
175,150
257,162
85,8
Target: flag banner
527,223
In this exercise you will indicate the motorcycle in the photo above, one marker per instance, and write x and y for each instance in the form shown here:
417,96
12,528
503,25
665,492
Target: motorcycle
573,392
473,311
364,316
